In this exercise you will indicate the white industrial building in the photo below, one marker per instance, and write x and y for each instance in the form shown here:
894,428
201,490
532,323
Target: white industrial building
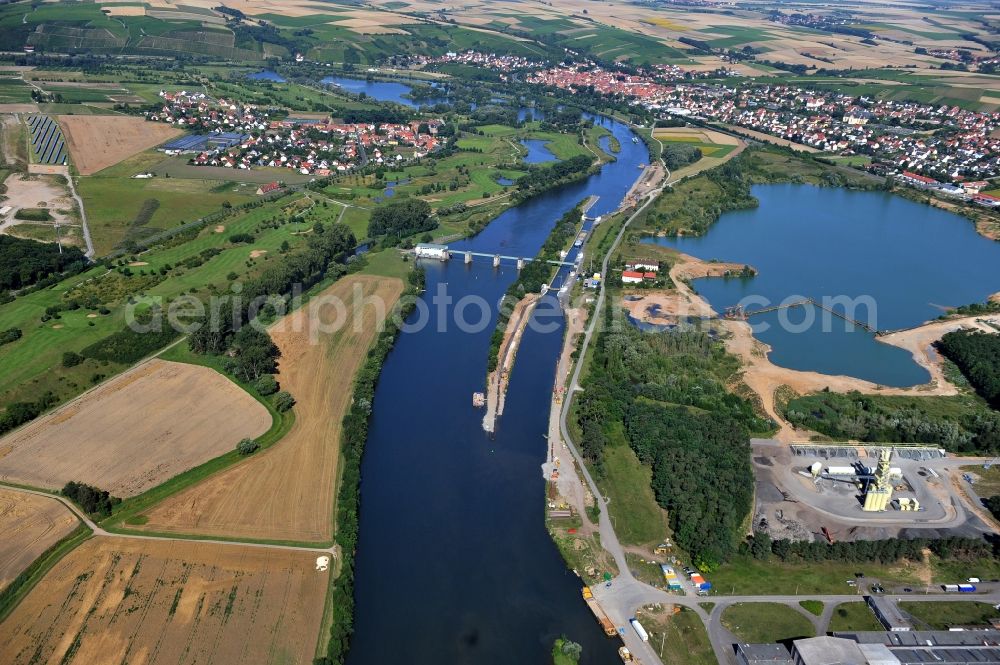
427,250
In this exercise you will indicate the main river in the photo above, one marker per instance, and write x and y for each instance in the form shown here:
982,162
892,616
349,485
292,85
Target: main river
454,564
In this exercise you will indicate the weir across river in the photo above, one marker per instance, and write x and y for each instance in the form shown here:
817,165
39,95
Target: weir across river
497,258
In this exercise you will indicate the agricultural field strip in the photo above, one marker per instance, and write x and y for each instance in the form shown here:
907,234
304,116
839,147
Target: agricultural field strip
161,602
287,491
190,414
31,525
103,533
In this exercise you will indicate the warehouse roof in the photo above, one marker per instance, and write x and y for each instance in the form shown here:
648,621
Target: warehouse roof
763,654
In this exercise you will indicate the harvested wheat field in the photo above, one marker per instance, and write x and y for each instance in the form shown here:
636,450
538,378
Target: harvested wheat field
287,492
98,141
117,600
135,431
30,524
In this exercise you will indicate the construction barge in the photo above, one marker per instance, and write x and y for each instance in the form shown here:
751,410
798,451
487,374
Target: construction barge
595,607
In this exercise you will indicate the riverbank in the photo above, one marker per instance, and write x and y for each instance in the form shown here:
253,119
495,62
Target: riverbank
498,380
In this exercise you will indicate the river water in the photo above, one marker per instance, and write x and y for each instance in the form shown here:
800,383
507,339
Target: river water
454,564
900,262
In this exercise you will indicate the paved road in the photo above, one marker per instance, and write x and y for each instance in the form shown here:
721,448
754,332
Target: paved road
83,218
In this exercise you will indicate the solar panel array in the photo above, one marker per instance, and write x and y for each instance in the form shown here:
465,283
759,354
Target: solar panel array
203,141
47,140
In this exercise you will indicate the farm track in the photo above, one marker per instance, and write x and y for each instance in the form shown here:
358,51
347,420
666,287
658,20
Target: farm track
83,218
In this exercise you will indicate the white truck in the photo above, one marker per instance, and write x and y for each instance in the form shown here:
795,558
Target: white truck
639,630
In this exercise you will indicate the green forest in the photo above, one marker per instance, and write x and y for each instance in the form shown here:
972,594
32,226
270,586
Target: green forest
540,178
24,262
401,218
670,391
977,354
959,424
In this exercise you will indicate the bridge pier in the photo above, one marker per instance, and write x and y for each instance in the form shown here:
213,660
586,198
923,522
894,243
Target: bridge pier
468,257
496,260
520,263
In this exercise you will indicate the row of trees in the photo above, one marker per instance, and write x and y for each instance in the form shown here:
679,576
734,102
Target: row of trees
977,354
18,413
305,268
250,354
128,346
882,551
93,500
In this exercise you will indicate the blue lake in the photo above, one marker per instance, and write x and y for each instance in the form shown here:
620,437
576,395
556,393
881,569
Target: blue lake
538,152
506,182
383,91
895,262
267,75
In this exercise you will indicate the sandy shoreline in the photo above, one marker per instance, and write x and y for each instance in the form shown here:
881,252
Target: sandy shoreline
764,377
